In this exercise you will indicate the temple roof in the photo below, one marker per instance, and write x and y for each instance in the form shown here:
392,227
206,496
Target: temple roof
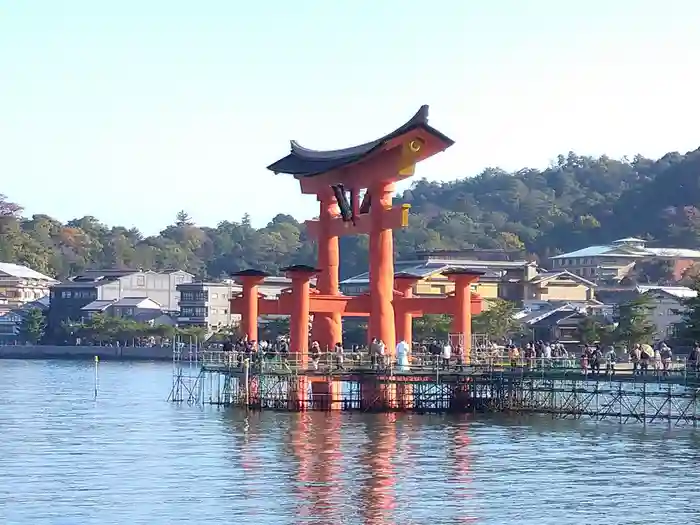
304,162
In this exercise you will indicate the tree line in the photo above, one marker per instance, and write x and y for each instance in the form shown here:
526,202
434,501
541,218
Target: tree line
576,201
103,329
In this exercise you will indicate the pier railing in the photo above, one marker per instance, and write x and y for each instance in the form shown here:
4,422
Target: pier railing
562,387
363,362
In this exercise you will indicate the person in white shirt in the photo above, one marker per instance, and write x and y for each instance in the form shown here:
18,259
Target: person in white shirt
446,355
547,354
402,351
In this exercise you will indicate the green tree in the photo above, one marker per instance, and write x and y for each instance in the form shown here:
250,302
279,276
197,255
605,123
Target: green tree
634,325
431,327
590,330
577,201
497,321
198,334
689,327
32,326
594,330
275,327
183,219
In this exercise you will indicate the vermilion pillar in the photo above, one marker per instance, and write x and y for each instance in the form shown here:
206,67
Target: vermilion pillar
299,319
249,313
327,327
462,311
404,321
381,268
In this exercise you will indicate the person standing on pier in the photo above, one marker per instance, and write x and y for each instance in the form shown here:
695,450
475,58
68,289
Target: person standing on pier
340,356
610,360
694,358
514,356
596,356
461,358
636,357
446,355
315,354
666,358
402,351
584,360
647,355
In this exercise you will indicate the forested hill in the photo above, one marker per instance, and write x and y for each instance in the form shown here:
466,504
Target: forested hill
576,202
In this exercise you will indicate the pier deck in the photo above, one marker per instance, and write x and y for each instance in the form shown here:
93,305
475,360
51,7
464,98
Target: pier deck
557,389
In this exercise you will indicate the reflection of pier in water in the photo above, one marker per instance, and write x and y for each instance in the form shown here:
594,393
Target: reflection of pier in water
558,392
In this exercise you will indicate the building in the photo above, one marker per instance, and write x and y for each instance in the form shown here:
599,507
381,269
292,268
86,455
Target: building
667,307
11,320
207,304
140,309
20,285
514,280
558,286
556,321
70,297
612,262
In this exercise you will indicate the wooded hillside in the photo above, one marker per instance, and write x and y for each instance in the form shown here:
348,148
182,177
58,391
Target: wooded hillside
576,202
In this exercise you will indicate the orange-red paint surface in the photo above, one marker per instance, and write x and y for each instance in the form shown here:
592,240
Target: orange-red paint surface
389,303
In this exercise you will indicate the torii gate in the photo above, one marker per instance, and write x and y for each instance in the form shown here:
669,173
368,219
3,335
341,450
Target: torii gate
338,178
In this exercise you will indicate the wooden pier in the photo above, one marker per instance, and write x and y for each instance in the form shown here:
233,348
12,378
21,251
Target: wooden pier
556,389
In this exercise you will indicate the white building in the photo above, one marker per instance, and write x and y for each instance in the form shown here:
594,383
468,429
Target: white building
20,285
612,262
667,306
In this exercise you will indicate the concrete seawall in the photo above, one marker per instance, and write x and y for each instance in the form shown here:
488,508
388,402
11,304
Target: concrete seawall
125,353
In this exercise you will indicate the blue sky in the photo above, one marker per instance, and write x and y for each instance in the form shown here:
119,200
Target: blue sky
133,110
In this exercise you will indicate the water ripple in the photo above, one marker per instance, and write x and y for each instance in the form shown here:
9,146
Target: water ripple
130,457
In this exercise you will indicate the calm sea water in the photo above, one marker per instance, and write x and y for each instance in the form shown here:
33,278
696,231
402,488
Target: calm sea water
130,457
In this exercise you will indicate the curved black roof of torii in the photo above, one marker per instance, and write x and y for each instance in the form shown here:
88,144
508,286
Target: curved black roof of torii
304,162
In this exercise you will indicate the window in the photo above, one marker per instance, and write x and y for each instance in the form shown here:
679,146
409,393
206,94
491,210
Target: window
140,280
66,294
194,311
85,294
191,295
214,295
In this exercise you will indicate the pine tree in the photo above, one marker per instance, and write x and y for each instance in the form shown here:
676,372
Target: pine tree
689,327
635,326
183,219
32,326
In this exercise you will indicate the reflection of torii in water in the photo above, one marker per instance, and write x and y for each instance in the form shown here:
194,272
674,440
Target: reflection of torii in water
378,497
315,442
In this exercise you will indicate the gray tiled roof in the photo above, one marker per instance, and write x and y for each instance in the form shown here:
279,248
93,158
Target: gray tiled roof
132,301
303,162
97,306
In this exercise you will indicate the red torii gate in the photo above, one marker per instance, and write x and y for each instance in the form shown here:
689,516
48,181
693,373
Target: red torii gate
338,178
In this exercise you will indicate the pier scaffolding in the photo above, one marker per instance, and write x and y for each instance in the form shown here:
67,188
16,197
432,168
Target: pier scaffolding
552,388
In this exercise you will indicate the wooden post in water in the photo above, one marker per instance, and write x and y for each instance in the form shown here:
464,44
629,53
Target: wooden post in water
246,368
97,377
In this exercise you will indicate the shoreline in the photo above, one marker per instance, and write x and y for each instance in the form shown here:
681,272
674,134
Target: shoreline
106,353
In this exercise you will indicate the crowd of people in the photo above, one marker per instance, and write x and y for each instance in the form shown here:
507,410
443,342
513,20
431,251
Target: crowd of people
441,355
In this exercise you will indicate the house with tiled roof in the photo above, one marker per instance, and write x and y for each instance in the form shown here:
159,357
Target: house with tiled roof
20,284
613,262
515,280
